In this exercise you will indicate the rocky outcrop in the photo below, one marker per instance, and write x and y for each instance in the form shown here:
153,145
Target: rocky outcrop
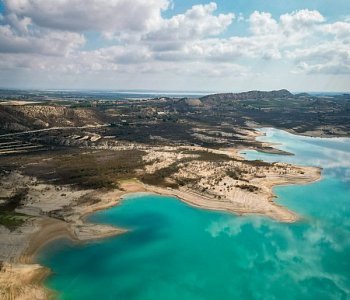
190,102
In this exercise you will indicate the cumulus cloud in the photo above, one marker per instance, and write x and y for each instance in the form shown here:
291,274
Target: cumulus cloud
196,22
315,47
329,58
44,42
341,30
94,15
18,34
262,23
289,29
232,49
141,39
300,20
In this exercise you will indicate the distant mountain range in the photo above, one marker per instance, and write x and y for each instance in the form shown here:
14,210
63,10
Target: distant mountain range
247,95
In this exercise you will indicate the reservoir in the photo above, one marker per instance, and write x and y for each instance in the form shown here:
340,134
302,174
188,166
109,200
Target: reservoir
175,251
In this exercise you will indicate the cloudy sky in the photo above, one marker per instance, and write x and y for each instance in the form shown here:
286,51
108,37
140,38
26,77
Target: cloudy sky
188,45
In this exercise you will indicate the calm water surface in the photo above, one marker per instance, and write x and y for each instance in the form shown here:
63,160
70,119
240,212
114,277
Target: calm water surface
174,251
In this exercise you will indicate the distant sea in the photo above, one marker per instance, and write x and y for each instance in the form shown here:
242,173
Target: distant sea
96,94
68,94
174,251
134,94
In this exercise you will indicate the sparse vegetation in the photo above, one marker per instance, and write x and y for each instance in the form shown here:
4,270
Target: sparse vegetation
257,163
12,220
234,174
248,187
83,169
8,217
159,178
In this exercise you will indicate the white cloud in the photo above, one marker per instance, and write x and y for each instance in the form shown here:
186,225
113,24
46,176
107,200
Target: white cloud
141,40
303,36
300,20
262,23
232,49
22,38
289,29
125,55
329,58
196,22
341,30
94,15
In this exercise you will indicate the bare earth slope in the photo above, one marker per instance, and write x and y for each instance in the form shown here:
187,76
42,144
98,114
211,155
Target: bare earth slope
26,117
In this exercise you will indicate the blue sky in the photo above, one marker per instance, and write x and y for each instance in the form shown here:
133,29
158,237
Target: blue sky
329,8
223,45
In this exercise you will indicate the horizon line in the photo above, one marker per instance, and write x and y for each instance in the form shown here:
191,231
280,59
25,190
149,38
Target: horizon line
151,91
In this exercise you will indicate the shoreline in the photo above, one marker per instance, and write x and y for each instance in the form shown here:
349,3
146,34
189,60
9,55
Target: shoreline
25,277
26,271
60,229
280,214
318,133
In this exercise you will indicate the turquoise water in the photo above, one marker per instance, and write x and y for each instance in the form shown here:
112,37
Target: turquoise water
174,251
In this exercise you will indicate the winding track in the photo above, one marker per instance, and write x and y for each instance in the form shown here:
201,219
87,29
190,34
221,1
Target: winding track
52,128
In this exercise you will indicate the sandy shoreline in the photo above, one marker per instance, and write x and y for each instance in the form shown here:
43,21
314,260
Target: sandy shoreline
270,208
22,277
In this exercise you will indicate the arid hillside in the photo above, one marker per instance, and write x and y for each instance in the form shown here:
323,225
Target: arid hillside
27,117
